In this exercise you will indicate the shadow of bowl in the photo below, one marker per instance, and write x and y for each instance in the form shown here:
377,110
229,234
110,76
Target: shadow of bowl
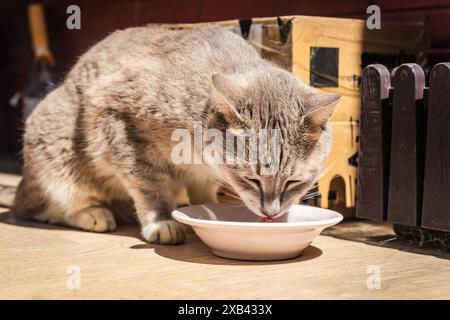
195,251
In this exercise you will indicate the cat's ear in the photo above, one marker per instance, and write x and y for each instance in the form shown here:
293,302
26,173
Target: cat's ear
231,94
320,107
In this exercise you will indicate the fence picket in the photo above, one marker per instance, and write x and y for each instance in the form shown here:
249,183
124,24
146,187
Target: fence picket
374,131
405,194
436,197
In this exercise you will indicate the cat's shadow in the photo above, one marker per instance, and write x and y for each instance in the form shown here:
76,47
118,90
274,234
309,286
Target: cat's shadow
193,250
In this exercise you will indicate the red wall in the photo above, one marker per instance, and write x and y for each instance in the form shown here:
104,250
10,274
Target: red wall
98,18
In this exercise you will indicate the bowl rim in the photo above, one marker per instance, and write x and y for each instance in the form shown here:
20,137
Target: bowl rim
184,218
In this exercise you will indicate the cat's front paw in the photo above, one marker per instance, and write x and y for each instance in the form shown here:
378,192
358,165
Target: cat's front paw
96,219
164,232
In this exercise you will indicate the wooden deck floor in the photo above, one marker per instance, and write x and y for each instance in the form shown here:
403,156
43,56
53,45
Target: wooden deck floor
38,260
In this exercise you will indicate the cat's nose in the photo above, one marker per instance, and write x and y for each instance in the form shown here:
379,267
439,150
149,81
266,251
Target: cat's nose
271,209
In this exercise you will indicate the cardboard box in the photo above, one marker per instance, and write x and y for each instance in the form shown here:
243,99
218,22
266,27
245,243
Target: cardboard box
330,54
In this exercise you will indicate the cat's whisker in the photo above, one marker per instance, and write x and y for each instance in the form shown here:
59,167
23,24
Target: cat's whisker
316,186
319,183
311,194
310,197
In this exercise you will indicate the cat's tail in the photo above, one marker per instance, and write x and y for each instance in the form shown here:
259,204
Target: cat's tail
7,194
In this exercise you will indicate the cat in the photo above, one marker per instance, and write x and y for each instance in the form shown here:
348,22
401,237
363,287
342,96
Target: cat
97,149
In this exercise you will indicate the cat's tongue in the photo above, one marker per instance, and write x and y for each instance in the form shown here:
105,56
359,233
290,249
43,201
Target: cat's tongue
267,219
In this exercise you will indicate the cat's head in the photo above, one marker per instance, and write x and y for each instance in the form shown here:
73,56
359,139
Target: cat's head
290,122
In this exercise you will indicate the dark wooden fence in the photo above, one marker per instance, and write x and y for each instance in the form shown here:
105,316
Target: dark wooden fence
404,156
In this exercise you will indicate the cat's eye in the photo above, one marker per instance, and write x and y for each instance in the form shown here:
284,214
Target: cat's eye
292,183
255,182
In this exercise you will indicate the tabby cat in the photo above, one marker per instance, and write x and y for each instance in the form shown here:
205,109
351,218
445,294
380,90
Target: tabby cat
97,149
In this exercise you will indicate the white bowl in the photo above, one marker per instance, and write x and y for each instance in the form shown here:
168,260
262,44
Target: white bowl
233,231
